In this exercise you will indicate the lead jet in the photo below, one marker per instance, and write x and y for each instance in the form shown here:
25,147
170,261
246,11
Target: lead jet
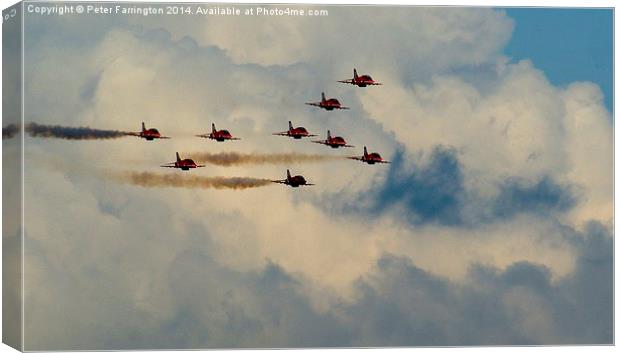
361,81
183,164
328,104
148,134
370,158
333,142
293,181
219,135
296,133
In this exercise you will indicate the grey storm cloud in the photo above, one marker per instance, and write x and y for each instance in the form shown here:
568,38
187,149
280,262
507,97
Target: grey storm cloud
398,304
541,197
404,305
432,193
435,193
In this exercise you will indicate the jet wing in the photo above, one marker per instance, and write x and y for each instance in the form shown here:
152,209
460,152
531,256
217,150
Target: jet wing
139,134
321,142
347,146
279,181
204,136
168,166
375,84
307,184
344,108
356,158
384,162
314,104
311,135
283,133
350,81
234,139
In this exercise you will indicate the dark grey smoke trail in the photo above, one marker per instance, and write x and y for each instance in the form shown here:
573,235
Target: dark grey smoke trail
9,131
72,133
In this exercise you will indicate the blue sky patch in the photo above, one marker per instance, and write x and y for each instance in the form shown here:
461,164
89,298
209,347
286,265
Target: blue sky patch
567,44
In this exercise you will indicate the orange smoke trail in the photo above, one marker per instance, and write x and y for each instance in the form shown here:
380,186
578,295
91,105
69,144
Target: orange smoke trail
148,179
227,159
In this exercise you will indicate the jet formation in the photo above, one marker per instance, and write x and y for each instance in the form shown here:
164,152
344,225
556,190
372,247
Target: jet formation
293,132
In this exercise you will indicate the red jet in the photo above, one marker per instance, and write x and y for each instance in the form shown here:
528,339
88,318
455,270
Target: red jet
183,164
219,135
328,104
148,134
371,158
361,81
293,181
296,133
333,142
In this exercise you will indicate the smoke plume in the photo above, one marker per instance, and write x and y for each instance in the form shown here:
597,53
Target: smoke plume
148,179
9,131
72,133
227,159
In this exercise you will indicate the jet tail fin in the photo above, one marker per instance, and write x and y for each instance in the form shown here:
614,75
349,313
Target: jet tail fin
323,96
143,127
178,157
354,73
365,152
213,127
290,125
329,134
288,174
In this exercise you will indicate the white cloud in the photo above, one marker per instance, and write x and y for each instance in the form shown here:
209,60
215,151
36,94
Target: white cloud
391,43
520,127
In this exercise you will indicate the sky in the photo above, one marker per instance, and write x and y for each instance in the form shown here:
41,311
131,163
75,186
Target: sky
541,35
491,226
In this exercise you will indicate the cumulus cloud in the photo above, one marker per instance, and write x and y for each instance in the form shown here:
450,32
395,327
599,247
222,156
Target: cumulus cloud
154,304
370,37
493,204
534,128
401,304
478,312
